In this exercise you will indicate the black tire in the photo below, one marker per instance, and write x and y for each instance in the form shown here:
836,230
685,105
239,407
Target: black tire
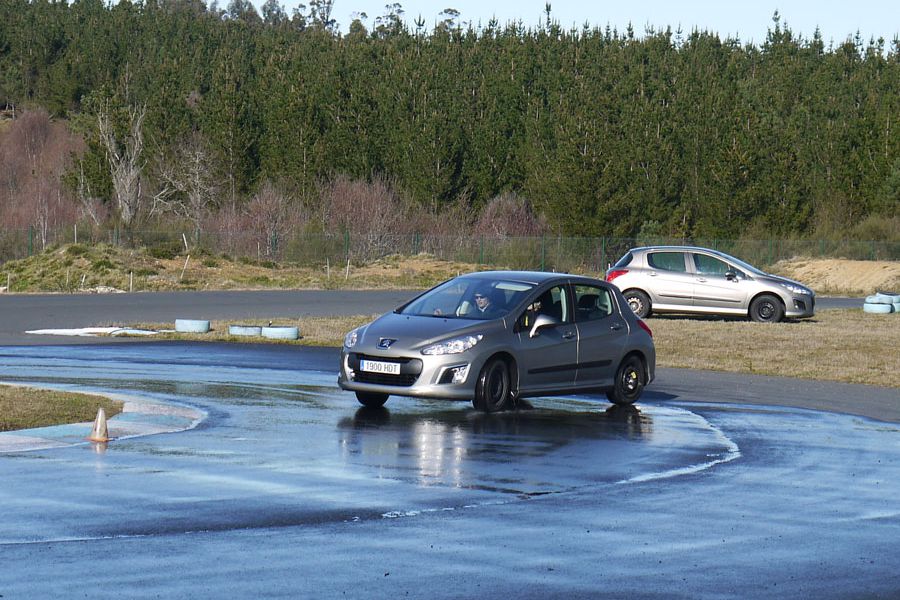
766,309
629,383
492,391
638,302
371,399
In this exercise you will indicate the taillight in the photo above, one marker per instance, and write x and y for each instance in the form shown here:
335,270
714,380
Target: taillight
616,273
645,327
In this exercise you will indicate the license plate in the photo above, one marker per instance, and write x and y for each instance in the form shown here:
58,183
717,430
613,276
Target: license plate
374,366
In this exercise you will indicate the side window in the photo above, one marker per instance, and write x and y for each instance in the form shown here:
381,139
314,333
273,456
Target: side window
707,265
553,302
592,303
667,261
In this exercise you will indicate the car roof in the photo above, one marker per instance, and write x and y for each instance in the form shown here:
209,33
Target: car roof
532,277
680,249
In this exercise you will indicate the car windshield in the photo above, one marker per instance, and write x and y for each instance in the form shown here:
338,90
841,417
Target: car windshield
745,266
469,298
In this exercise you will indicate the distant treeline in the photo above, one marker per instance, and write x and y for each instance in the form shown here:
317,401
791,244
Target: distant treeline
601,132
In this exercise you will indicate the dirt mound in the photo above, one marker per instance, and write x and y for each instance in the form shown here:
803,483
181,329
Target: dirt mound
842,277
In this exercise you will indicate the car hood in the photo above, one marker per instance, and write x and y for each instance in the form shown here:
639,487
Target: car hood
414,332
774,279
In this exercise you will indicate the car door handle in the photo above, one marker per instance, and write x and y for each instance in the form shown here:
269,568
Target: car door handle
616,326
701,280
569,335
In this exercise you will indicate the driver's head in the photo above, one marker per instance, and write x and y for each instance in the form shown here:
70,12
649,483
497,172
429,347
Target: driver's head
482,298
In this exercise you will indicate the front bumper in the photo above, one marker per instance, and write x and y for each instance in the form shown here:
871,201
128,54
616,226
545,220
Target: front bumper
800,306
420,376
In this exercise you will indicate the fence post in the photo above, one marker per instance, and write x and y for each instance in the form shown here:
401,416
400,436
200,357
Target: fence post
347,246
481,251
543,252
30,240
415,244
603,255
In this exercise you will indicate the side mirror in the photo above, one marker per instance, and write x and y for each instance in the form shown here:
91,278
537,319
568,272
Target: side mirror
731,275
542,322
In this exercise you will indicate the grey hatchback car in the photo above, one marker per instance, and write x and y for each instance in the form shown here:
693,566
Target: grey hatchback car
496,336
688,279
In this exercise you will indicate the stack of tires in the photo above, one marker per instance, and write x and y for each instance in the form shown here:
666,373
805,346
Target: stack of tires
882,303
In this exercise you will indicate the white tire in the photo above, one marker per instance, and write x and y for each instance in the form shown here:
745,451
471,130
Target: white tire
191,326
877,309
281,333
245,330
879,299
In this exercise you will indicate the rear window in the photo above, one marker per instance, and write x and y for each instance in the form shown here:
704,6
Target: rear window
667,261
624,261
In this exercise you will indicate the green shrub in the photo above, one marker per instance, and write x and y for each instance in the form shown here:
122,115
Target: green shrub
77,250
165,251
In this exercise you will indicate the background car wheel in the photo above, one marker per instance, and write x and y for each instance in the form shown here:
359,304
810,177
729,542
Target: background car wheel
629,383
492,391
766,309
638,302
371,399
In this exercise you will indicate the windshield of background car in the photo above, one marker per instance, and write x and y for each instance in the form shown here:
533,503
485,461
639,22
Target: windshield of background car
624,261
745,266
469,298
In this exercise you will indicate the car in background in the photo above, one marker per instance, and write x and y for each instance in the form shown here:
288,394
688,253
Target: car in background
496,336
688,279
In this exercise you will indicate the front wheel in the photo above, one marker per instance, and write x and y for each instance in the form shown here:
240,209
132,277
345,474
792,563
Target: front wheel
638,302
766,309
629,383
371,399
492,391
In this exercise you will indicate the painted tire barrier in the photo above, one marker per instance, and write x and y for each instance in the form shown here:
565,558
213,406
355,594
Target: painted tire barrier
877,309
879,299
244,330
281,333
191,326
889,296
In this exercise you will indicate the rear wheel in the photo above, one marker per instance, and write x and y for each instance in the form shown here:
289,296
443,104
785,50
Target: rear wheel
371,399
766,309
638,302
629,383
492,391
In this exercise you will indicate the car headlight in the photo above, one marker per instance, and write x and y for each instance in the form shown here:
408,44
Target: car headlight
795,289
454,346
350,338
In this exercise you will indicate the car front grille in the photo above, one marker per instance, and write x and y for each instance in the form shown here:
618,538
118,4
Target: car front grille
410,369
384,379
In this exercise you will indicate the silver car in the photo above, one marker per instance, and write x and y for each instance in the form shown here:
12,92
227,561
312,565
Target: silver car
686,279
496,336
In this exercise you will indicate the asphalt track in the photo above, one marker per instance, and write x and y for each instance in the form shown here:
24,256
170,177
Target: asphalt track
716,486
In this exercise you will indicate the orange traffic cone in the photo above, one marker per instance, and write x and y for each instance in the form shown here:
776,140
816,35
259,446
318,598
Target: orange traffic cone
99,433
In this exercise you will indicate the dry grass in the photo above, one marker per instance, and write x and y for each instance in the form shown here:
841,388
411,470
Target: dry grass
75,268
837,345
24,408
841,277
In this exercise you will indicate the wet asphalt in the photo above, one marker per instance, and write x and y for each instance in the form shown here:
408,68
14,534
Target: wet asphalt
714,486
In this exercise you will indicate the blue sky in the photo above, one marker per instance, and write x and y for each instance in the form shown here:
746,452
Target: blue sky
748,20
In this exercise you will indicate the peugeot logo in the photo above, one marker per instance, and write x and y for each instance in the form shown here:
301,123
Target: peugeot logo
385,343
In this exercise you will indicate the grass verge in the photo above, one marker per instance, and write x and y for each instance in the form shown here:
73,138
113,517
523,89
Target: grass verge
837,345
24,408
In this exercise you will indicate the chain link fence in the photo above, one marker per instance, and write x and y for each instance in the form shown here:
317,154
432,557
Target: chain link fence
546,253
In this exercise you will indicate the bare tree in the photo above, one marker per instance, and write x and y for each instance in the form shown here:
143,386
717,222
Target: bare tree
270,215
125,162
189,187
